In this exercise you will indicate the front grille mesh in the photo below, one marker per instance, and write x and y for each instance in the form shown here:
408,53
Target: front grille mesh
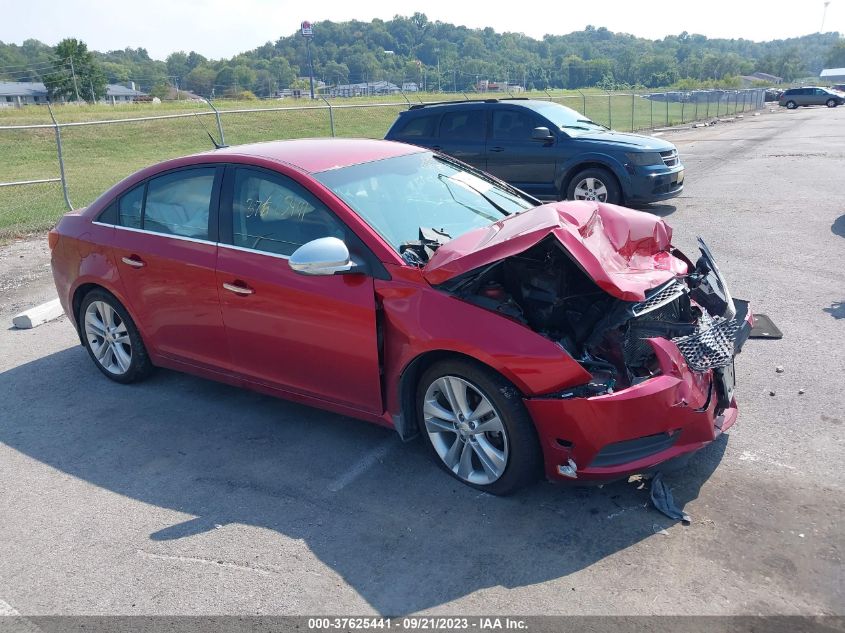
668,293
712,346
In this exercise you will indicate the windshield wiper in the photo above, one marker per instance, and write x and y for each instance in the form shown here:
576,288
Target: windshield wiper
447,181
501,184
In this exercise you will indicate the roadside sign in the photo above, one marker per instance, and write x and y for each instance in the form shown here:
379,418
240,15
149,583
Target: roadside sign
307,30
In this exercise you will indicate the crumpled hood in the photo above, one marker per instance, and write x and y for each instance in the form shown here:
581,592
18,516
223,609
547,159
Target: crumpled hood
625,252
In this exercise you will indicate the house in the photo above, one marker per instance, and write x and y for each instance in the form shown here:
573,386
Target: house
364,89
20,93
833,75
485,85
15,94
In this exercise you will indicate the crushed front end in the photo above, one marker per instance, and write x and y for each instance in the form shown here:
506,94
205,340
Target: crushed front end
662,363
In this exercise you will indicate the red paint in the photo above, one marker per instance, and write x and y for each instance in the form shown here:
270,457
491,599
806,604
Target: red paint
317,340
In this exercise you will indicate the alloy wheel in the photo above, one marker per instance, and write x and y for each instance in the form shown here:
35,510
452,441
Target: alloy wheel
591,189
465,430
108,338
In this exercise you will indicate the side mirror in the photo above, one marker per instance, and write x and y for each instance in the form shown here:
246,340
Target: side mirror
541,134
323,256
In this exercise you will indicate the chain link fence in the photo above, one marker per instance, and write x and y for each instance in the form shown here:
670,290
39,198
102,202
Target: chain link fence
49,165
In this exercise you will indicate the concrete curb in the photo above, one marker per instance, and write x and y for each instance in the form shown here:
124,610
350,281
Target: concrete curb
38,315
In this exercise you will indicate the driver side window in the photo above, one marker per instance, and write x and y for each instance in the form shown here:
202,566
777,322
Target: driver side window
274,214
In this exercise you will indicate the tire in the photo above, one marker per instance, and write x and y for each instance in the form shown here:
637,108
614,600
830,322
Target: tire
112,338
791,105
831,103
502,459
594,184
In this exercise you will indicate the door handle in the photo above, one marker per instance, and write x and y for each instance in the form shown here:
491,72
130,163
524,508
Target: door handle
497,149
133,261
239,289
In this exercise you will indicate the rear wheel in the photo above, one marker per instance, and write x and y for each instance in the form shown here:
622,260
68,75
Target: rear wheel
112,339
791,105
831,103
475,423
594,184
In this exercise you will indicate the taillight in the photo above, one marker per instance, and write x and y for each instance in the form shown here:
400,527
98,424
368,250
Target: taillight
53,238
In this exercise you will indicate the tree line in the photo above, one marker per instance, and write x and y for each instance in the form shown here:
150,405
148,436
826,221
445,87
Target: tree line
431,54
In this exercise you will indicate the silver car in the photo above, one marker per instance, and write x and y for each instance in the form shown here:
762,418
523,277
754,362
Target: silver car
810,95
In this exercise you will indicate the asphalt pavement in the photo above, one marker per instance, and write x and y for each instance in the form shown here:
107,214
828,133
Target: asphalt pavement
183,496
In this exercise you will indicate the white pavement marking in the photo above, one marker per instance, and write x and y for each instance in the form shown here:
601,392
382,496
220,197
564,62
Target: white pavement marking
22,624
363,465
38,315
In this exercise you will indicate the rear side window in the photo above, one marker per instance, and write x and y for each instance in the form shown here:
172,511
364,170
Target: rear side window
419,126
463,124
179,203
129,207
794,91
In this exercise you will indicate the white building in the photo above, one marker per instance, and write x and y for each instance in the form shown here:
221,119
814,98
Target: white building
15,94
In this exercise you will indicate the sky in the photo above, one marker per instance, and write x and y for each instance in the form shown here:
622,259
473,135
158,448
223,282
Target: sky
222,28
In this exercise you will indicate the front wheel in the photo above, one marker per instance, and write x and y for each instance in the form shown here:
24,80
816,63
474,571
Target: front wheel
831,103
791,105
112,339
594,184
476,424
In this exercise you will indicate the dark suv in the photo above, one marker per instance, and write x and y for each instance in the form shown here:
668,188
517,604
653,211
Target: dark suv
546,149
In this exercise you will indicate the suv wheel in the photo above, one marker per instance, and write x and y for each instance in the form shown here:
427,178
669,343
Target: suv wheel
594,184
791,105
831,103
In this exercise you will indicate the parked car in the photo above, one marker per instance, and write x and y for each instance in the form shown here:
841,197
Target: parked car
810,95
402,287
546,149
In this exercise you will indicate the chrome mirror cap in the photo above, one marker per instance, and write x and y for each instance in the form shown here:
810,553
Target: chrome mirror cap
323,256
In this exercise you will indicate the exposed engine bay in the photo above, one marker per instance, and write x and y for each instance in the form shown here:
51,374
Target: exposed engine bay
545,289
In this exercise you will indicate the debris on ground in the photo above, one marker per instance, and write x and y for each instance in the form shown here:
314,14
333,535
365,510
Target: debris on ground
771,393
800,392
659,530
661,497
779,369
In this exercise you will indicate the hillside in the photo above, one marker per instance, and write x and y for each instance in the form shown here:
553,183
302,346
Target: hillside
444,56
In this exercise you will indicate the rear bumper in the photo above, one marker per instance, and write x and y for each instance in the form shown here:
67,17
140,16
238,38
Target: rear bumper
611,436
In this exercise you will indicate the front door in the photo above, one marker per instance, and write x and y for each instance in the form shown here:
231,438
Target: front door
166,260
517,159
310,335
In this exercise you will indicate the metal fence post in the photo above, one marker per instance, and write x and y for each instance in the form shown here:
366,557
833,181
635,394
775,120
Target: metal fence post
331,113
651,110
707,113
61,157
609,111
583,101
695,113
683,107
633,106
666,96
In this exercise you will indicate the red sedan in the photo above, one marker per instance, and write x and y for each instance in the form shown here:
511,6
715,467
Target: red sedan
402,287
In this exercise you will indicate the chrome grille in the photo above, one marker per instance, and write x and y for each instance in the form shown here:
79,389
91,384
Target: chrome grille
670,157
712,346
667,293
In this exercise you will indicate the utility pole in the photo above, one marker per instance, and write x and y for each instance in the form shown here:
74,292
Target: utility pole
75,87
308,33
437,52
177,88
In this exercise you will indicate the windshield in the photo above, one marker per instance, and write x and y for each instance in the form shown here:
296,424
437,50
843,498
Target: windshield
401,196
566,118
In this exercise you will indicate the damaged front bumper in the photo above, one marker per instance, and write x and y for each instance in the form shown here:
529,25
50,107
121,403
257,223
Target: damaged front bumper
613,435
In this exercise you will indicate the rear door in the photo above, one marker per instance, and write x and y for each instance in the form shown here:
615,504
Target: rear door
462,133
514,157
165,250
308,335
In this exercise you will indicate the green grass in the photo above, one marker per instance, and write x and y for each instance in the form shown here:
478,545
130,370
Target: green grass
98,156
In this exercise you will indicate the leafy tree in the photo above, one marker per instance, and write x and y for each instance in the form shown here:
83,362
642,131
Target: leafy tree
201,80
75,74
836,55
177,65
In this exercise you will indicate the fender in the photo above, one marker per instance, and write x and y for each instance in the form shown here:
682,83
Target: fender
568,168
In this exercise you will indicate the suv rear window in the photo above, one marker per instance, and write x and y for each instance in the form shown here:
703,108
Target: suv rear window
463,124
419,126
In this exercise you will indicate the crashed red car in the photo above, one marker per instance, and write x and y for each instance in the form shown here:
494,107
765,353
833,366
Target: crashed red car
399,286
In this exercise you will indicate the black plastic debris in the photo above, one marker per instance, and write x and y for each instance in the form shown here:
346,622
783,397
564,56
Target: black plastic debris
764,328
661,497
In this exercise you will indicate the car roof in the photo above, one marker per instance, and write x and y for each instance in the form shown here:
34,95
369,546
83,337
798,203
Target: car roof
320,154
517,101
